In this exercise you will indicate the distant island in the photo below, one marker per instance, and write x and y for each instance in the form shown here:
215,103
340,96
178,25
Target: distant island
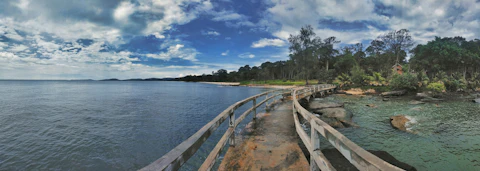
140,79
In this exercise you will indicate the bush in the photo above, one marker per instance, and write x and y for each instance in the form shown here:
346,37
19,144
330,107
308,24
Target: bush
376,79
406,80
358,75
342,80
436,87
423,79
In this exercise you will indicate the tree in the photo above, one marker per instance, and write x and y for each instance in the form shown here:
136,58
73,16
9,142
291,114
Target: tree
397,41
302,48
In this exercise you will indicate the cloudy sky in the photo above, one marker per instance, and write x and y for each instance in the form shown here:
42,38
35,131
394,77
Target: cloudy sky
60,39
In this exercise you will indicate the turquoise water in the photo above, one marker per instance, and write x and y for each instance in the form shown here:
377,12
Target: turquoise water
445,137
96,125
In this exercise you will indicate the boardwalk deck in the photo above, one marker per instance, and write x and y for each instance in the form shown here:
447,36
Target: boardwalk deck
273,145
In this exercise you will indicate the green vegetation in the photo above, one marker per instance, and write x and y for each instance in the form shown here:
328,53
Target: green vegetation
437,87
276,82
455,62
406,80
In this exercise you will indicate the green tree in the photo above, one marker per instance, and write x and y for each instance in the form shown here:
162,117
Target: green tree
302,47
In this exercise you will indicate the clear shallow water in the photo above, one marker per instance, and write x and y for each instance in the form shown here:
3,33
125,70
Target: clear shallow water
445,137
93,125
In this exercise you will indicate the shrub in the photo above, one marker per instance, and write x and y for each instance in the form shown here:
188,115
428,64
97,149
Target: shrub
342,80
436,87
376,79
406,80
358,75
423,79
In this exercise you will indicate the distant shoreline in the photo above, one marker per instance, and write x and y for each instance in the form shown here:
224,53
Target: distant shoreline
250,85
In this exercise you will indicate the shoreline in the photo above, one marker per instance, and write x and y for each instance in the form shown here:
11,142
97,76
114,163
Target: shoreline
250,85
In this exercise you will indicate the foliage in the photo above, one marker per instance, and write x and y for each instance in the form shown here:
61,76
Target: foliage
343,80
376,79
454,61
455,82
423,79
358,75
437,87
474,82
406,80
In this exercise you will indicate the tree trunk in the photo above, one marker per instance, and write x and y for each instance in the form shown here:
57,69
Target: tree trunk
326,66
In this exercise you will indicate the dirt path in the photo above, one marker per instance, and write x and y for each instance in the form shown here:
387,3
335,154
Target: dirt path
273,145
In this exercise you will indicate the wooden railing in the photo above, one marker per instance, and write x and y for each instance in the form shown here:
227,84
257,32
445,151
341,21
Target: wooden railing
174,159
360,158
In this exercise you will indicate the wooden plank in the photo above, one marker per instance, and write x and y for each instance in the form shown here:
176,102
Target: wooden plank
180,154
359,157
320,160
212,157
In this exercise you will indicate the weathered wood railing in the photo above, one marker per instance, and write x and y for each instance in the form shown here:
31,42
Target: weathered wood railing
174,159
360,158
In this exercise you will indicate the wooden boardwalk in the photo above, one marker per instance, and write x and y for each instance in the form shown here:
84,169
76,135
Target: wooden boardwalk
272,145
273,141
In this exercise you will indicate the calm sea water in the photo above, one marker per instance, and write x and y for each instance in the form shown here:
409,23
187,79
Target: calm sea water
94,125
446,137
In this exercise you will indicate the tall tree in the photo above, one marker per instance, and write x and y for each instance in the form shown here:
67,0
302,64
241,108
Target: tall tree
302,48
397,41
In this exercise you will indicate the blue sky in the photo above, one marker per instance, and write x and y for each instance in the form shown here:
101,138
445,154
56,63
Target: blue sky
58,39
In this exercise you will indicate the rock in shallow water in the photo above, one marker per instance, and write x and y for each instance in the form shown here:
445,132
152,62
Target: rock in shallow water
476,100
399,122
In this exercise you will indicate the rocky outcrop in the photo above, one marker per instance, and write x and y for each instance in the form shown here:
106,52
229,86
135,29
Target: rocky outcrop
399,122
415,102
394,93
315,105
336,117
431,99
476,100
372,105
424,97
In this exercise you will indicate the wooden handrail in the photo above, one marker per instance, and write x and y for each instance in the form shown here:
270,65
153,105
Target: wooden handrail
360,158
174,159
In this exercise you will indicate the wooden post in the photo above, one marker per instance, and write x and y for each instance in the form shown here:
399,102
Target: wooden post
266,103
254,109
315,142
231,125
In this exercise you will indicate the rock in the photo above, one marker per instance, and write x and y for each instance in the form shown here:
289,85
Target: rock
399,122
422,95
337,117
372,105
431,99
415,102
385,99
394,93
476,100
370,91
416,108
355,91
316,105
340,92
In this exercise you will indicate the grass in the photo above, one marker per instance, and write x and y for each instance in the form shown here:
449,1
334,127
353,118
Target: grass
279,82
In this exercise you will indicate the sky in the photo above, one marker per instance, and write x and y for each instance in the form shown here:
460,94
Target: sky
92,39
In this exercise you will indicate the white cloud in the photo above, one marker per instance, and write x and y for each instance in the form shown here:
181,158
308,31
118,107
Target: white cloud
176,51
225,53
123,12
246,55
227,16
425,19
18,48
268,42
212,33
